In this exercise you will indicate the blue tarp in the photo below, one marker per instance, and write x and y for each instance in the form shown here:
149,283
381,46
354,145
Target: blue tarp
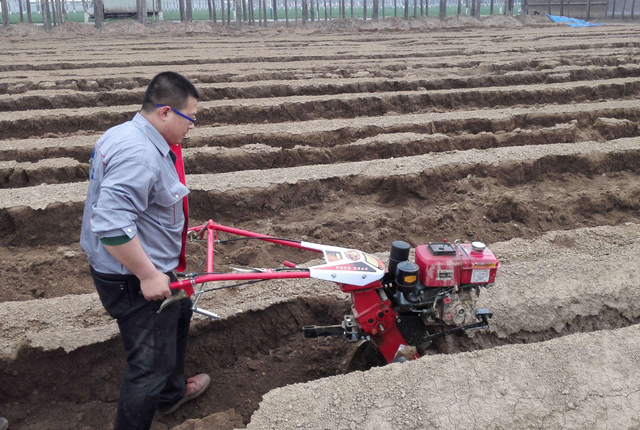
572,22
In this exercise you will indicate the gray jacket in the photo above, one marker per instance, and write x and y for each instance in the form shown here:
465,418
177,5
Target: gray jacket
133,189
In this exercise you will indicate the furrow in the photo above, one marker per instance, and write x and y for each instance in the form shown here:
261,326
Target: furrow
52,213
64,99
298,108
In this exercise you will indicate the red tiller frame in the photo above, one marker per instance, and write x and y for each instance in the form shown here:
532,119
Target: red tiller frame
373,312
210,228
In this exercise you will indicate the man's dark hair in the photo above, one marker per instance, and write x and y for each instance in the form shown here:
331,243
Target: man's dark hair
170,89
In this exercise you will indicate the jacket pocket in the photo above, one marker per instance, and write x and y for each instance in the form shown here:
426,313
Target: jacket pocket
169,205
114,296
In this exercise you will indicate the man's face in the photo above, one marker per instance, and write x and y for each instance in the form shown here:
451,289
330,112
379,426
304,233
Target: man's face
177,127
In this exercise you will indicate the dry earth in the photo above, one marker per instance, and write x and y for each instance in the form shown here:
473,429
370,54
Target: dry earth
352,134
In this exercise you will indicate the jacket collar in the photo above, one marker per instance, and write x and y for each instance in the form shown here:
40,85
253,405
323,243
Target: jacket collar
154,135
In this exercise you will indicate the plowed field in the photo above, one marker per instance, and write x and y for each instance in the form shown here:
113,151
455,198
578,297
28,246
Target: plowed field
524,137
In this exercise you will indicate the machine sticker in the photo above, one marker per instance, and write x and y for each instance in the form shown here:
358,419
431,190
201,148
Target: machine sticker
352,255
444,275
375,262
479,276
333,256
487,265
349,267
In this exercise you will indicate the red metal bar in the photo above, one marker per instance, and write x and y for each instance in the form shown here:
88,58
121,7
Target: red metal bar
247,233
211,227
210,239
238,277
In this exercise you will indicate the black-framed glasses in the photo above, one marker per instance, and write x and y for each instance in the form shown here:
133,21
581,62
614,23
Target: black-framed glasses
179,113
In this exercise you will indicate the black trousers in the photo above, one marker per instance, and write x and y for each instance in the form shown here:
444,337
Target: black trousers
155,345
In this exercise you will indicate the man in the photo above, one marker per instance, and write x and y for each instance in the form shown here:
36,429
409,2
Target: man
134,232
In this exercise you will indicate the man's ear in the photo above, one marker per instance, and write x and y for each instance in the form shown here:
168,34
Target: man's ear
163,112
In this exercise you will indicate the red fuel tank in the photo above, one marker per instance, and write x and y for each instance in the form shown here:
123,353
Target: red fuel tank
448,265
479,265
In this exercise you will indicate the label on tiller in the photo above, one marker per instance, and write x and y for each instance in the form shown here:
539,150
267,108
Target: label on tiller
444,275
479,276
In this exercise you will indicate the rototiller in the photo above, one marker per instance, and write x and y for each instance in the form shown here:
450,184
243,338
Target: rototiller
401,310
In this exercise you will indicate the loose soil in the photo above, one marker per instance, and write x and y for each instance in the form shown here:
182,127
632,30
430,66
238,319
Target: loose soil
516,132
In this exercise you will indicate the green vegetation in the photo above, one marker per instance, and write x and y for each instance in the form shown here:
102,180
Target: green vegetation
37,17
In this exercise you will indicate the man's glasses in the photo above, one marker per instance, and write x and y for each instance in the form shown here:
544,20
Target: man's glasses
179,113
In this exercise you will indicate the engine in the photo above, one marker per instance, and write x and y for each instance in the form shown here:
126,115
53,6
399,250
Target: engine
438,291
404,308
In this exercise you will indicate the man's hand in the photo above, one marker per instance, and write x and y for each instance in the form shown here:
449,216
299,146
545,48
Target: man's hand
153,283
156,287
